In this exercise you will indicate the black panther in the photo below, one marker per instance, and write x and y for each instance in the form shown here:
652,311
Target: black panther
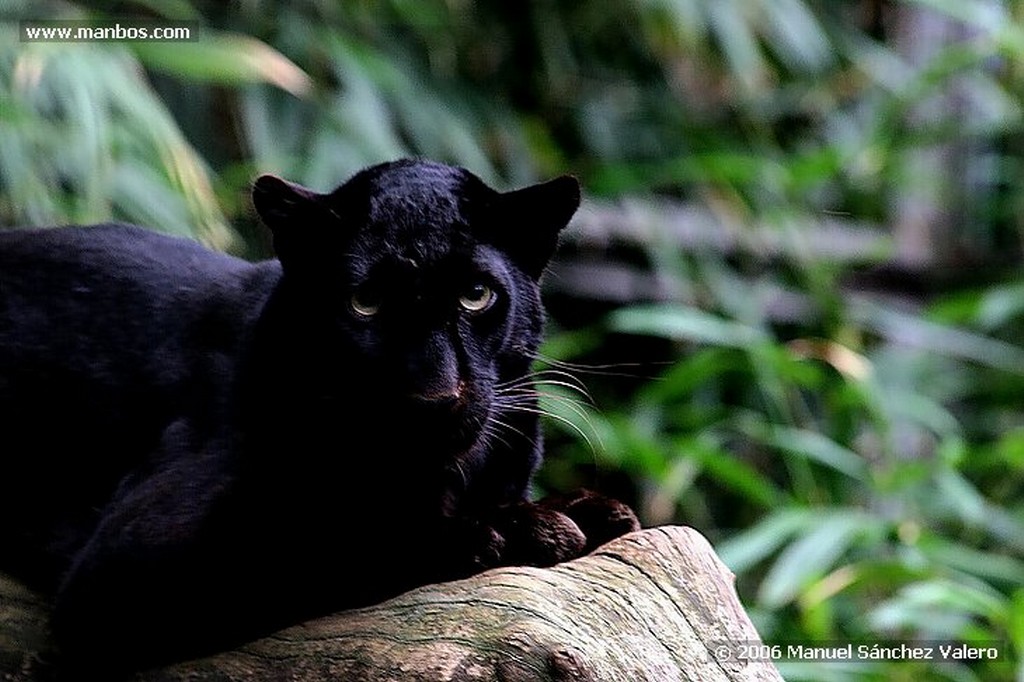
199,449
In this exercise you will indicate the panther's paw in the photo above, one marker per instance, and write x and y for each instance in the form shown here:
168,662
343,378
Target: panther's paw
600,518
538,536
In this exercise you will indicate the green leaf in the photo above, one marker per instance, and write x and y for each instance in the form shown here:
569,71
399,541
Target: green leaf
564,345
754,544
941,607
738,42
963,557
926,335
814,554
1015,621
807,444
685,324
797,36
733,473
226,59
972,508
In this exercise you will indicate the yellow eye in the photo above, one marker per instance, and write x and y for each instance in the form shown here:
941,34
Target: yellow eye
477,298
364,305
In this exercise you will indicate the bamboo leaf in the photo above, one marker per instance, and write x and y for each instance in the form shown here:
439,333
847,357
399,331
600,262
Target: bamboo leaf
812,555
755,544
685,324
226,59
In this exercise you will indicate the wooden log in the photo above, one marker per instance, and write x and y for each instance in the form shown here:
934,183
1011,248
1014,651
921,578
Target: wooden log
647,606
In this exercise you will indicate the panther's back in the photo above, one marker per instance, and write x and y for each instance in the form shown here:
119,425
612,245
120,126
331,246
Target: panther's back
107,333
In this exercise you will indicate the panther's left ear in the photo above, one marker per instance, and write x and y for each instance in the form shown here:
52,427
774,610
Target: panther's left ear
531,218
293,213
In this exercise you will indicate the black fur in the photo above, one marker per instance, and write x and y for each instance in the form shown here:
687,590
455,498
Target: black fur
199,449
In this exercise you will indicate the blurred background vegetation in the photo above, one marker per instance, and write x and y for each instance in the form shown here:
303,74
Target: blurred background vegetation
794,291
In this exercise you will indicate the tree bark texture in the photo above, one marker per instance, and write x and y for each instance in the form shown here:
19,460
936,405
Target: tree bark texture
647,606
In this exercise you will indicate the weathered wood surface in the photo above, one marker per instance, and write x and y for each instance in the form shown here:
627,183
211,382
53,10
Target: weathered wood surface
644,607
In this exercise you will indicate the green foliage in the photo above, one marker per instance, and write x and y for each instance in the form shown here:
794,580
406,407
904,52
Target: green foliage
861,494
858,458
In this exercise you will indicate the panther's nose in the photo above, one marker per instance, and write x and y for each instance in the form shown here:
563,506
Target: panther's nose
448,399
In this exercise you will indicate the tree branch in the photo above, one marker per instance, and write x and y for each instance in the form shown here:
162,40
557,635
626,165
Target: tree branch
647,606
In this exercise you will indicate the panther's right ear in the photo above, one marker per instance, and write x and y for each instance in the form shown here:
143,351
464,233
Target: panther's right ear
279,202
292,212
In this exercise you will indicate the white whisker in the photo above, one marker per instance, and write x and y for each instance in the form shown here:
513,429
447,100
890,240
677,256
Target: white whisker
531,409
603,369
561,384
530,397
564,378
495,426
